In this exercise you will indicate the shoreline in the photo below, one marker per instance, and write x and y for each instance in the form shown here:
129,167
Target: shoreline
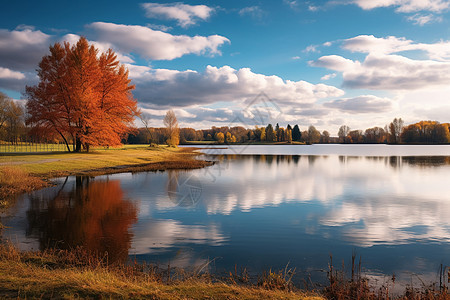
26,172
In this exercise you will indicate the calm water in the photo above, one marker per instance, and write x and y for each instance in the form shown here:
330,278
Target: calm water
260,210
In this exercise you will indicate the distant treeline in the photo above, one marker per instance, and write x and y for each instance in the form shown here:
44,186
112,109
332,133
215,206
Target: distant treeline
424,132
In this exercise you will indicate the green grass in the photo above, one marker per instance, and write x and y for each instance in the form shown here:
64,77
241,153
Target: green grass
130,158
49,164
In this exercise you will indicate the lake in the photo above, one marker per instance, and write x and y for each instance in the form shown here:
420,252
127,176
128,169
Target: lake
259,207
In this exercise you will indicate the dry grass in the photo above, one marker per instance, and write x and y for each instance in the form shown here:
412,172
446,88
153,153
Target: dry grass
77,274
341,287
14,180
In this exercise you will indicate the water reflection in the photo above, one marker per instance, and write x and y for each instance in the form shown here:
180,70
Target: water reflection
259,211
89,213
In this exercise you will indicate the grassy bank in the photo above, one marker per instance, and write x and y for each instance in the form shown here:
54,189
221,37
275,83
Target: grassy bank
62,274
25,172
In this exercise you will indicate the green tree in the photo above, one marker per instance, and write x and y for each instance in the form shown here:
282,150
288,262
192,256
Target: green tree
296,134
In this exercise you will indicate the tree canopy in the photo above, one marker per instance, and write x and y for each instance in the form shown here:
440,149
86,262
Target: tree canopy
83,96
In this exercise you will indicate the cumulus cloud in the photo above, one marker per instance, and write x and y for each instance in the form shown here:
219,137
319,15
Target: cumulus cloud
162,87
101,46
155,44
370,43
186,15
391,44
21,49
388,72
405,6
362,104
335,62
386,68
6,73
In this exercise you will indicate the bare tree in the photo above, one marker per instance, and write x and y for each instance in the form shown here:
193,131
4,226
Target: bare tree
173,132
343,132
395,130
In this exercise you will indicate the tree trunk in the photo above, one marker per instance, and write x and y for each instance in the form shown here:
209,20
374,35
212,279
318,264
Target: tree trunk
78,145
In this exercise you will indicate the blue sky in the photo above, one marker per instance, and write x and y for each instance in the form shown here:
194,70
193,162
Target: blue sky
322,63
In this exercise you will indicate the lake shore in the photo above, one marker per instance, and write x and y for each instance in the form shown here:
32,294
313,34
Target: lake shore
25,172
75,274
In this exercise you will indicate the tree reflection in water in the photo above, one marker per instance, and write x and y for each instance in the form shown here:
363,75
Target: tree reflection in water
92,213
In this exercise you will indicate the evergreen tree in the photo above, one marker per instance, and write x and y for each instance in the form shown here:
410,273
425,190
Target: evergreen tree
296,134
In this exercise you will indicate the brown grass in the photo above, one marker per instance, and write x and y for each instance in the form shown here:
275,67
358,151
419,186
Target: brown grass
77,274
358,286
15,180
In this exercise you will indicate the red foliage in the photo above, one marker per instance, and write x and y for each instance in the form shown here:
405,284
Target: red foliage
83,96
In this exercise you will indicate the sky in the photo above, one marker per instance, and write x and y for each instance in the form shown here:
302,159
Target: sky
244,63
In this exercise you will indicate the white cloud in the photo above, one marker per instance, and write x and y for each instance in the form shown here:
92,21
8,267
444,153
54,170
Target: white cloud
291,3
161,87
388,72
296,57
372,44
328,76
21,49
254,11
155,44
101,46
186,15
405,6
6,73
421,20
311,48
362,104
385,69
335,62
392,44
159,27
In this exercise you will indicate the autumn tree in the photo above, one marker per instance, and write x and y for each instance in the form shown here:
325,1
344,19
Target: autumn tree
4,108
325,138
172,130
343,132
11,119
271,135
83,95
220,137
395,130
375,135
262,136
313,135
288,134
426,132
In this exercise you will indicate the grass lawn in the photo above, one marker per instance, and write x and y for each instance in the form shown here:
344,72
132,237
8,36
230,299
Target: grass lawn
20,172
49,164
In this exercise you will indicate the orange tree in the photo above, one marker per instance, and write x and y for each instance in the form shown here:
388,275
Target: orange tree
83,96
